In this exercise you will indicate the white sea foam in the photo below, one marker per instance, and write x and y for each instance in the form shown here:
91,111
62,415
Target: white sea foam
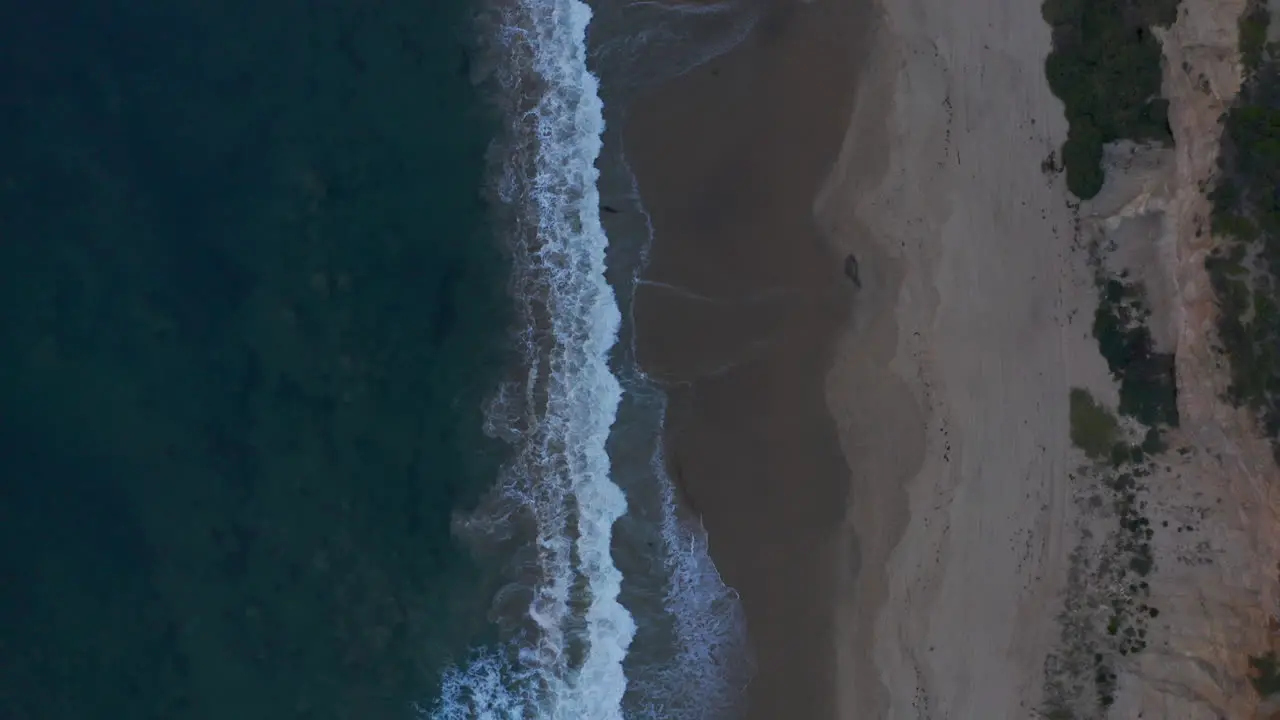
565,634
707,662
565,663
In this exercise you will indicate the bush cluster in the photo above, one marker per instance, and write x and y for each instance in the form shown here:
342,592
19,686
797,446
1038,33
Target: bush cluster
1148,388
1105,67
1246,215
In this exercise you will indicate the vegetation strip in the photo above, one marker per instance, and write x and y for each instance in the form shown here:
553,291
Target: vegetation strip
1105,67
1246,217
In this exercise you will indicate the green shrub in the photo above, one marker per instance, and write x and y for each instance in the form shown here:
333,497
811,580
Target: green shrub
1246,214
1148,388
1231,225
1266,678
1093,428
1153,443
1105,67
1159,13
1253,35
1082,157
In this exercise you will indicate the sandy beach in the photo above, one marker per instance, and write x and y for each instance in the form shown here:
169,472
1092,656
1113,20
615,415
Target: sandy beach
884,450
924,533
870,299
979,327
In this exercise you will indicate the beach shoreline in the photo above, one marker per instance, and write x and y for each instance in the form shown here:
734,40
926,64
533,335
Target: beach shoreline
892,399
737,315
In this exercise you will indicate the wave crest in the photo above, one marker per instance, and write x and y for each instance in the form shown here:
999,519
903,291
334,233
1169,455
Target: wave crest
565,657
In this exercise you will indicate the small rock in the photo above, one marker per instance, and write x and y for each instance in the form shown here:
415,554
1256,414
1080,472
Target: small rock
851,269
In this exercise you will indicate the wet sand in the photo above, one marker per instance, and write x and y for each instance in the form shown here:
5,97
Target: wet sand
742,305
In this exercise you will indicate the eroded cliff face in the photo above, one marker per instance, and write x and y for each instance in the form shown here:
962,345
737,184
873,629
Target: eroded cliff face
1211,499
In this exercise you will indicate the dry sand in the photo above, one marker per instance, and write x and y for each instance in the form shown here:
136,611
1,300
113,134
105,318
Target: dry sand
952,385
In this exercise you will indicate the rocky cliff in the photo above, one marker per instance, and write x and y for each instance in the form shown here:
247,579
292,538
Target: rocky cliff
1208,504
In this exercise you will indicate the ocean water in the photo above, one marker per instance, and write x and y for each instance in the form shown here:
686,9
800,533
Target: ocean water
252,308
319,398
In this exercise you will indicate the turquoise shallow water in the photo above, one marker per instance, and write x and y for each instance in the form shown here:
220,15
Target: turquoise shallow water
251,308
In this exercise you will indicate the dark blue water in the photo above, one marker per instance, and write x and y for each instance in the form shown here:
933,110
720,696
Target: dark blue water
249,310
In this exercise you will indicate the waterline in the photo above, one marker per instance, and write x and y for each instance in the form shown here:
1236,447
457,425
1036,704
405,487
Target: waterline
565,660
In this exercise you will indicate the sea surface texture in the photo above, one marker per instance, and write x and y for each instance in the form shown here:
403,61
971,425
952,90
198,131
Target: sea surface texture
317,396
252,307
